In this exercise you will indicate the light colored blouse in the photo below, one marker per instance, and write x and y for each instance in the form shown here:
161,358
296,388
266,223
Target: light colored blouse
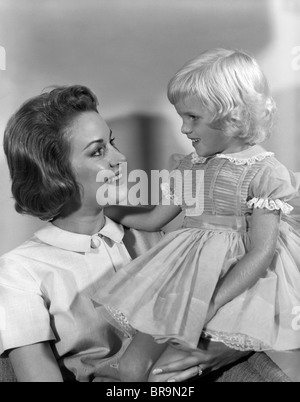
46,286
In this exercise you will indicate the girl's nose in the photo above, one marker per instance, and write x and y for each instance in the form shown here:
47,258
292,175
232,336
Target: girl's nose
185,130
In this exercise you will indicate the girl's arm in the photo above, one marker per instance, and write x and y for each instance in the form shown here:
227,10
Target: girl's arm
150,220
264,235
35,363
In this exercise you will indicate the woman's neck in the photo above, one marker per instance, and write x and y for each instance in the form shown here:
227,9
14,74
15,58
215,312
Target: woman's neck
80,223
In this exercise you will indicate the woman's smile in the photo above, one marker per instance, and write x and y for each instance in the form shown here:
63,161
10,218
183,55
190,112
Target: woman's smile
116,178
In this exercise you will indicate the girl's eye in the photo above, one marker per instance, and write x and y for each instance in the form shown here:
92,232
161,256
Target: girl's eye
195,118
113,142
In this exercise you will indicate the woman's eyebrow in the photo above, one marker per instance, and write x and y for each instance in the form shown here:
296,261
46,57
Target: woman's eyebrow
100,141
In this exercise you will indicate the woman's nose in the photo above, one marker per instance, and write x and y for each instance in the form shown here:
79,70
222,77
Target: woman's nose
116,158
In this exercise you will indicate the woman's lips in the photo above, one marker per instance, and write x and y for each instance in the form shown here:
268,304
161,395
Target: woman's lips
114,178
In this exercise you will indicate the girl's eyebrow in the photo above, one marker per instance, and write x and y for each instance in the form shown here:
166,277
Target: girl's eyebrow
100,141
192,112
189,112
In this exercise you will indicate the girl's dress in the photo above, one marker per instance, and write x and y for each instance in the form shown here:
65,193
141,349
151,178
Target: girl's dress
167,291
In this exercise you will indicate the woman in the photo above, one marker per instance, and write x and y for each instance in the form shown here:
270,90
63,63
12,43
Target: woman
56,144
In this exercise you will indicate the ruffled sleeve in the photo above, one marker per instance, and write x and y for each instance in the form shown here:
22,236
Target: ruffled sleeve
172,187
273,187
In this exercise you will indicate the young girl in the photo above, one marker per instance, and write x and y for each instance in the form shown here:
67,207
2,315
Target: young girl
232,271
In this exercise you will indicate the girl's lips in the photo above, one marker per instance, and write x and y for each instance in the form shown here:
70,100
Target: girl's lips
195,142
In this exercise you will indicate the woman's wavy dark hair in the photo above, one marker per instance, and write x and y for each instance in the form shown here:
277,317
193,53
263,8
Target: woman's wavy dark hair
37,150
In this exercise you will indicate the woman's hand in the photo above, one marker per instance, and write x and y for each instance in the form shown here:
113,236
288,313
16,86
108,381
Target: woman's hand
209,357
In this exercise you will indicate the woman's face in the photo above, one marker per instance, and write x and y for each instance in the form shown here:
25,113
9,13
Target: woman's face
93,152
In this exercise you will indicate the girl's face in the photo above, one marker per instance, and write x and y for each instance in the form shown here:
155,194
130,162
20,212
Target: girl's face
93,150
207,141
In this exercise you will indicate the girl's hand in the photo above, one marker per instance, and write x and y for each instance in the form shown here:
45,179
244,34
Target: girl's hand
209,357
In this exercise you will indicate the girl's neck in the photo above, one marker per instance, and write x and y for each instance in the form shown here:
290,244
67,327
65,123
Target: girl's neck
80,223
236,148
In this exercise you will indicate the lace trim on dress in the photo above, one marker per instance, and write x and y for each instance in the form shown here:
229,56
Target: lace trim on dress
237,341
196,159
270,204
121,320
168,194
246,161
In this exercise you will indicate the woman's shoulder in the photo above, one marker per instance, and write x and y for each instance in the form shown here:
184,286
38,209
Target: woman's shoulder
20,262
15,269
27,250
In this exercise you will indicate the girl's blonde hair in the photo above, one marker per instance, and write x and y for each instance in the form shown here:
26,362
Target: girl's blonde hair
232,87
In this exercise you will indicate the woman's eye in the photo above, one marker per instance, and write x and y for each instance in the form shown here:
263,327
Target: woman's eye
99,152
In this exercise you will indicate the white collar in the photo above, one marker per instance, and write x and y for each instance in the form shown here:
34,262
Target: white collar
248,156
80,243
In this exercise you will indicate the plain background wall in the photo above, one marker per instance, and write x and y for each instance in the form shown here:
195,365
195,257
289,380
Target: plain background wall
126,51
